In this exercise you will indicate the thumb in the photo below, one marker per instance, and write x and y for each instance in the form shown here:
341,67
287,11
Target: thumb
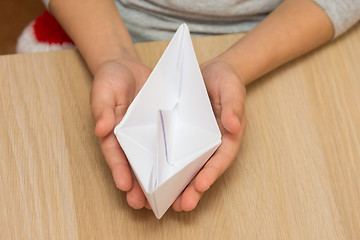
232,97
229,120
102,106
105,123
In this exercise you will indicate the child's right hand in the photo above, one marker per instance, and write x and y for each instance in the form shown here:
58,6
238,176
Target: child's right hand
115,85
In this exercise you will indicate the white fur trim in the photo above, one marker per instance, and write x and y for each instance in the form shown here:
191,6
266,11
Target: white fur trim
27,43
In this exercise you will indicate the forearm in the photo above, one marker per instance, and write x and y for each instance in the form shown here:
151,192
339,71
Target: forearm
294,28
96,28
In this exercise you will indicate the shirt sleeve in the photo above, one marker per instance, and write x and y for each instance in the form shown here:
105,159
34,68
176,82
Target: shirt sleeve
343,13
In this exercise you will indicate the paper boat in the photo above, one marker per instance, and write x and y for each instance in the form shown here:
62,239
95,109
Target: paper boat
169,131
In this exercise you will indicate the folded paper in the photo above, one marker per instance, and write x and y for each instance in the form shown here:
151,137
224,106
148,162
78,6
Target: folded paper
169,131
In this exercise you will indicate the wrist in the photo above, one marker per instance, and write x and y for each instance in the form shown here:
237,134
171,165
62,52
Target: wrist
234,63
219,68
121,56
249,60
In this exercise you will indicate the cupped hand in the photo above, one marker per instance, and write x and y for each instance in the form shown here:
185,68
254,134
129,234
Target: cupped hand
227,95
115,85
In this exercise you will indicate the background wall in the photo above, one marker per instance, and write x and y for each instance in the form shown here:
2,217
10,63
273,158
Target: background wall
14,16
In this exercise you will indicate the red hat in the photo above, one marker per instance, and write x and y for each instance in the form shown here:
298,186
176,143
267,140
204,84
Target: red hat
42,35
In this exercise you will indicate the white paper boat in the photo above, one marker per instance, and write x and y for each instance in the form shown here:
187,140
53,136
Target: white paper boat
169,131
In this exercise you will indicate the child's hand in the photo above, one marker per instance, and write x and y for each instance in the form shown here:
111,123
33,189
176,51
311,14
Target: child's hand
115,85
227,94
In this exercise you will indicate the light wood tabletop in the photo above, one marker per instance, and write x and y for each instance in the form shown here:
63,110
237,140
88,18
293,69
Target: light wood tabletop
297,174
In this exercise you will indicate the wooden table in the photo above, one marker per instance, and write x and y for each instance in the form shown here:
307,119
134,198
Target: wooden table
296,175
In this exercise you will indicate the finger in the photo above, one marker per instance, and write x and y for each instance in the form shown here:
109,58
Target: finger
135,197
177,204
232,100
147,205
190,197
117,162
221,160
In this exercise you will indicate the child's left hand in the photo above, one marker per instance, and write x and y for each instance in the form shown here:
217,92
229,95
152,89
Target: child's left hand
227,95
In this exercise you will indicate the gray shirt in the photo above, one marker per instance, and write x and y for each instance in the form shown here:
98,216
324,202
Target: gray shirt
150,20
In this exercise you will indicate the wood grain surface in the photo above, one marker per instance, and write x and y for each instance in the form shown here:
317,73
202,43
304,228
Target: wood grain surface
296,175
